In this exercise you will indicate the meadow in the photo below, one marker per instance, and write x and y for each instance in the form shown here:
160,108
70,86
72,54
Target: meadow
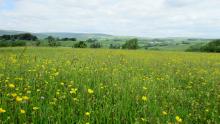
102,86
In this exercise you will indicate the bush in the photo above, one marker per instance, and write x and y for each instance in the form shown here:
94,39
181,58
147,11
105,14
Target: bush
80,44
131,44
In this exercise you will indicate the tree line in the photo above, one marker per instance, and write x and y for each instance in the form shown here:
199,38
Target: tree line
212,46
16,40
25,36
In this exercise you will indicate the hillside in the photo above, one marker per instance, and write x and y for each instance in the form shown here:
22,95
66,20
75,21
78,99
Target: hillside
81,36
10,32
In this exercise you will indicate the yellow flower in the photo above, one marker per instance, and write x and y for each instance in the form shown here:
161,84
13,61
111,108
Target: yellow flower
164,113
25,97
57,93
87,122
14,94
178,119
35,108
18,99
2,110
28,91
75,99
90,91
73,90
11,85
144,98
87,114
143,119
22,111
145,88
56,74
206,110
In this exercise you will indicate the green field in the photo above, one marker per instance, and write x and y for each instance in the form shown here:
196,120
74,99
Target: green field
102,86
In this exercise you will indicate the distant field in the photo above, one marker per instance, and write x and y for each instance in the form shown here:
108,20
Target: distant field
65,85
171,46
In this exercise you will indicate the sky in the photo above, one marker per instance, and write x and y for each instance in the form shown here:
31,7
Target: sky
147,18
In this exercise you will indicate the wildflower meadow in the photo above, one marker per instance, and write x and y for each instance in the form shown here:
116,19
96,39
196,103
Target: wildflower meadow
102,86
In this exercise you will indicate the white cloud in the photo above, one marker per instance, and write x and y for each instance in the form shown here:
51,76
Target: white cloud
151,18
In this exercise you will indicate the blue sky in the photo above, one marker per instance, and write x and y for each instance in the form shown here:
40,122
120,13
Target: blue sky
7,5
148,18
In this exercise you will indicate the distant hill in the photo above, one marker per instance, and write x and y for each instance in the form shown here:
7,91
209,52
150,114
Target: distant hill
73,35
10,32
81,36
84,36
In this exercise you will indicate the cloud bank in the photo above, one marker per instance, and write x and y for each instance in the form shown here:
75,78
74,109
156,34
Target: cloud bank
149,18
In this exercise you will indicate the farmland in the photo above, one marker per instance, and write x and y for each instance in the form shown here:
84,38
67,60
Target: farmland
66,85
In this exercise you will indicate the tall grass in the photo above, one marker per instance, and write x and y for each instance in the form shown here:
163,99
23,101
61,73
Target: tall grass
61,85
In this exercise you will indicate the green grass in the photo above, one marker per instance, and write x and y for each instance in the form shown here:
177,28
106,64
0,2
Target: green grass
128,86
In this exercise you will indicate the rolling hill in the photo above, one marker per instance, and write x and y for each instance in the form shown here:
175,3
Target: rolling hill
81,36
10,32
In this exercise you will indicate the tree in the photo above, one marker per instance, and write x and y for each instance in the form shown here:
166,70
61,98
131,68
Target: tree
5,43
68,39
96,45
80,44
213,46
18,43
38,43
25,36
90,40
131,44
114,46
72,39
5,37
51,41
